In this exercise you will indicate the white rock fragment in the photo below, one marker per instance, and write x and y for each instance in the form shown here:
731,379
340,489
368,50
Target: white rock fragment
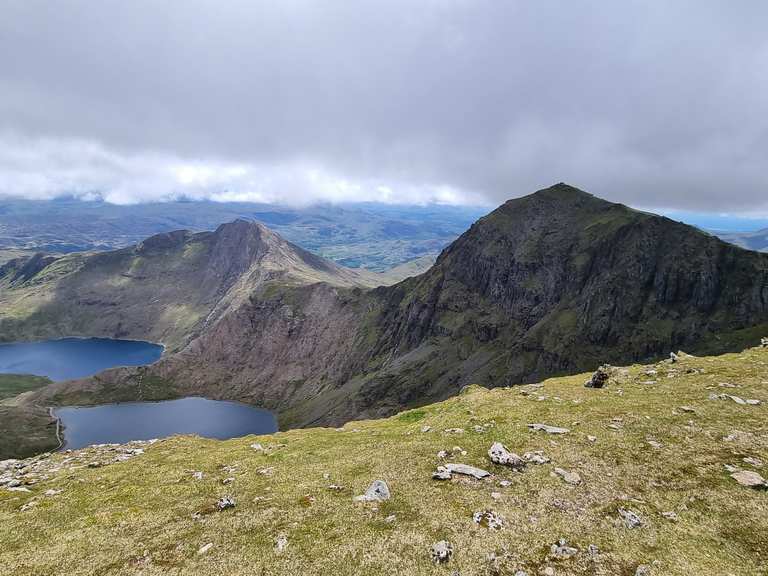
441,552
630,518
225,502
204,549
536,457
571,478
378,491
281,543
441,473
499,454
749,479
548,429
561,550
488,519
467,470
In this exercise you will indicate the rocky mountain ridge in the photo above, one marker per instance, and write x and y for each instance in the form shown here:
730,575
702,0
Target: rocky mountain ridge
555,282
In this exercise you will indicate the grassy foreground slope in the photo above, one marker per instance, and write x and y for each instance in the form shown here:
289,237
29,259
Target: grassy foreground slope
663,436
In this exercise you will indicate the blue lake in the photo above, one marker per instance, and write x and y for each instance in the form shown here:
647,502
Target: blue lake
119,423
70,358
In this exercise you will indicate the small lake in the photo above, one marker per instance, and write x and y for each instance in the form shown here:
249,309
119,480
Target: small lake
120,423
70,358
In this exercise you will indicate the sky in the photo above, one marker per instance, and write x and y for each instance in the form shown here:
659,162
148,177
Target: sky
652,103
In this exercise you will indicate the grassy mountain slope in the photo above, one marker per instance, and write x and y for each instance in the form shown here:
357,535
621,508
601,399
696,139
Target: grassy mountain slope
660,446
167,288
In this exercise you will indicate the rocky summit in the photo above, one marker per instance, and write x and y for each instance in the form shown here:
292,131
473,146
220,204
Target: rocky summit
362,499
552,283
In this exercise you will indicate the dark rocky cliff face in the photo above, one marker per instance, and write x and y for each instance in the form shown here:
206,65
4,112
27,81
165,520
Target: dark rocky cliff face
554,282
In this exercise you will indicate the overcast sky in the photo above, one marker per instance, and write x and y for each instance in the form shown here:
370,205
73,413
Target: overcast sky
652,103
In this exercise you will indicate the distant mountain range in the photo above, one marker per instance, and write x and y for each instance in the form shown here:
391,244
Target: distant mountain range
751,240
555,282
368,235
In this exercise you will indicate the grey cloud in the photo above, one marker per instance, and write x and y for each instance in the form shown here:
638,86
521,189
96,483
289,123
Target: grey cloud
650,103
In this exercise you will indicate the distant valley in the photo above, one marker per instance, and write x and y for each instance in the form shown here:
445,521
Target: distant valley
367,235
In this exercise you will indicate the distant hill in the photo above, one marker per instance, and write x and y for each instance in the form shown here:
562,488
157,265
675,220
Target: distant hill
169,288
555,282
751,240
367,235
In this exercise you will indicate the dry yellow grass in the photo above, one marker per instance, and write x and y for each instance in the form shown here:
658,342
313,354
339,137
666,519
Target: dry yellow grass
139,517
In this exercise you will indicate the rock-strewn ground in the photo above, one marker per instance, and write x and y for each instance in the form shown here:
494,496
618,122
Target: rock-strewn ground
660,455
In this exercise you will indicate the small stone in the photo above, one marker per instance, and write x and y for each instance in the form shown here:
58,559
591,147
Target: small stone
426,429
441,552
496,495
593,550
569,477
228,480
671,516
537,457
489,519
673,357
749,479
454,430
204,549
643,570
600,378
548,429
258,447
505,483
757,463
467,470
561,550
225,502
548,571
281,543
52,492
442,454
377,492
654,443
689,409
336,488
499,454
441,474
197,475
389,519
630,518
592,438
764,342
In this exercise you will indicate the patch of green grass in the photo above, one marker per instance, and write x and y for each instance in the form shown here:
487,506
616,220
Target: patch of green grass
14,384
137,517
